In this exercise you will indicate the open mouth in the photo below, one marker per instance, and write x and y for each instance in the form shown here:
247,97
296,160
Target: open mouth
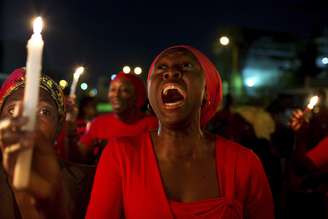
173,96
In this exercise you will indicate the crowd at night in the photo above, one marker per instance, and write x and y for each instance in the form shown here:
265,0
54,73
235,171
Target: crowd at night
173,109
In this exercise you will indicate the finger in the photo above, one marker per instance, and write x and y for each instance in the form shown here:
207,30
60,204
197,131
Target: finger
10,154
12,136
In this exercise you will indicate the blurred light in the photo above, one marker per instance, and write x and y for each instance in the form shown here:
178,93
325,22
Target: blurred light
324,60
78,72
104,107
126,69
63,83
137,70
84,86
37,25
113,76
93,92
313,101
250,82
224,41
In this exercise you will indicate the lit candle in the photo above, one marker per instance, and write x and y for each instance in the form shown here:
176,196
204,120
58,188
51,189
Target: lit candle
76,77
313,101
31,97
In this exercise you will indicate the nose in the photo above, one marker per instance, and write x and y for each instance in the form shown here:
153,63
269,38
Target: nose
172,73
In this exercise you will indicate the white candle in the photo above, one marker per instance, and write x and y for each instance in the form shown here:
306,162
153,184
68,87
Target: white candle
76,77
31,98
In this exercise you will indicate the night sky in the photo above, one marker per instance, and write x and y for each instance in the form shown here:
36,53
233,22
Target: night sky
105,35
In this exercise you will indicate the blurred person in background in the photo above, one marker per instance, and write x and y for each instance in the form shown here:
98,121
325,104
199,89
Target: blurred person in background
127,95
307,180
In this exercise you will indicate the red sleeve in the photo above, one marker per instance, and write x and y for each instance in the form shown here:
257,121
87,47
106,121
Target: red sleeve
259,203
319,154
89,134
106,196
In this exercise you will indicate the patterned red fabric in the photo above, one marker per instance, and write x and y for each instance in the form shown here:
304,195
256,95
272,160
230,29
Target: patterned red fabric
17,79
128,185
138,85
213,82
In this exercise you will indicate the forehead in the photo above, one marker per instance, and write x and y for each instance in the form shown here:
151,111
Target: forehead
121,82
18,95
177,53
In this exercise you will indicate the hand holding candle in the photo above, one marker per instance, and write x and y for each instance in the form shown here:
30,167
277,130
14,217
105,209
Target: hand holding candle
299,117
31,97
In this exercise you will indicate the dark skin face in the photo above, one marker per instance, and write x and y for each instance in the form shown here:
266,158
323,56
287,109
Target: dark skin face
121,95
47,122
180,70
186,156
45,183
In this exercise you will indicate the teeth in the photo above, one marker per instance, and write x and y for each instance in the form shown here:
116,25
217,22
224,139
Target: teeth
171,87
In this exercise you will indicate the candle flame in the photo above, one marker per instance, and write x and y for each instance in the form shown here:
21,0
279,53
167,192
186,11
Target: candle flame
313,101
78,72
37,25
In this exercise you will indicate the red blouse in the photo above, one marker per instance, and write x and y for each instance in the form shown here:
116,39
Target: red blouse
107,126
128,184
319,154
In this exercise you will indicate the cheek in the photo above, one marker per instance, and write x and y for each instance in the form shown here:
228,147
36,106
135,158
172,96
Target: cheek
48,127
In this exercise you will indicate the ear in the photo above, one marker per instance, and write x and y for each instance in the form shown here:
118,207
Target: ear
204,98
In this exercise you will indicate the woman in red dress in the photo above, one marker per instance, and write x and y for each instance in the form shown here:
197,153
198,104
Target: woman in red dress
179,171
127,94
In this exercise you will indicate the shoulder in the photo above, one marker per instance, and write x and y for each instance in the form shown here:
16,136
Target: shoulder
103,118
127,146
150,120
241,154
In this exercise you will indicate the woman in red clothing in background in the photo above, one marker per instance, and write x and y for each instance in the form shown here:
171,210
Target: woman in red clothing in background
179,171
127,95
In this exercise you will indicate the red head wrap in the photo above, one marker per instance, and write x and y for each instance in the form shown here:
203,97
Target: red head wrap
138,84
212,78
17,79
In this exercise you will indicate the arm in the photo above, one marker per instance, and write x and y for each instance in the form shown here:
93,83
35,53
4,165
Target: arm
107,196
45,196
259,203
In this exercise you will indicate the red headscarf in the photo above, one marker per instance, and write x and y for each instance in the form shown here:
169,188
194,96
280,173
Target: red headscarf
138,84
212,78
17,79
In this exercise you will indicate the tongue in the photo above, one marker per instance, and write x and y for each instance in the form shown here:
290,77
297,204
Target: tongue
172,96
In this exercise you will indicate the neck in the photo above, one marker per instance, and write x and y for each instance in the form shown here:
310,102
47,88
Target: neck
184,142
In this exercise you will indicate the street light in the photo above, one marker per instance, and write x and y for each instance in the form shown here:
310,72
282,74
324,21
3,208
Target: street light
137,70
126,69
235,85
224,40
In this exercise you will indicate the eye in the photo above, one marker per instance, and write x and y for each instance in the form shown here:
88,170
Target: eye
11,111
125,90
112,89
44,111
161,67
187,66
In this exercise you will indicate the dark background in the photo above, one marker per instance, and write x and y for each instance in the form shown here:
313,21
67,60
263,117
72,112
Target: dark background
105,35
